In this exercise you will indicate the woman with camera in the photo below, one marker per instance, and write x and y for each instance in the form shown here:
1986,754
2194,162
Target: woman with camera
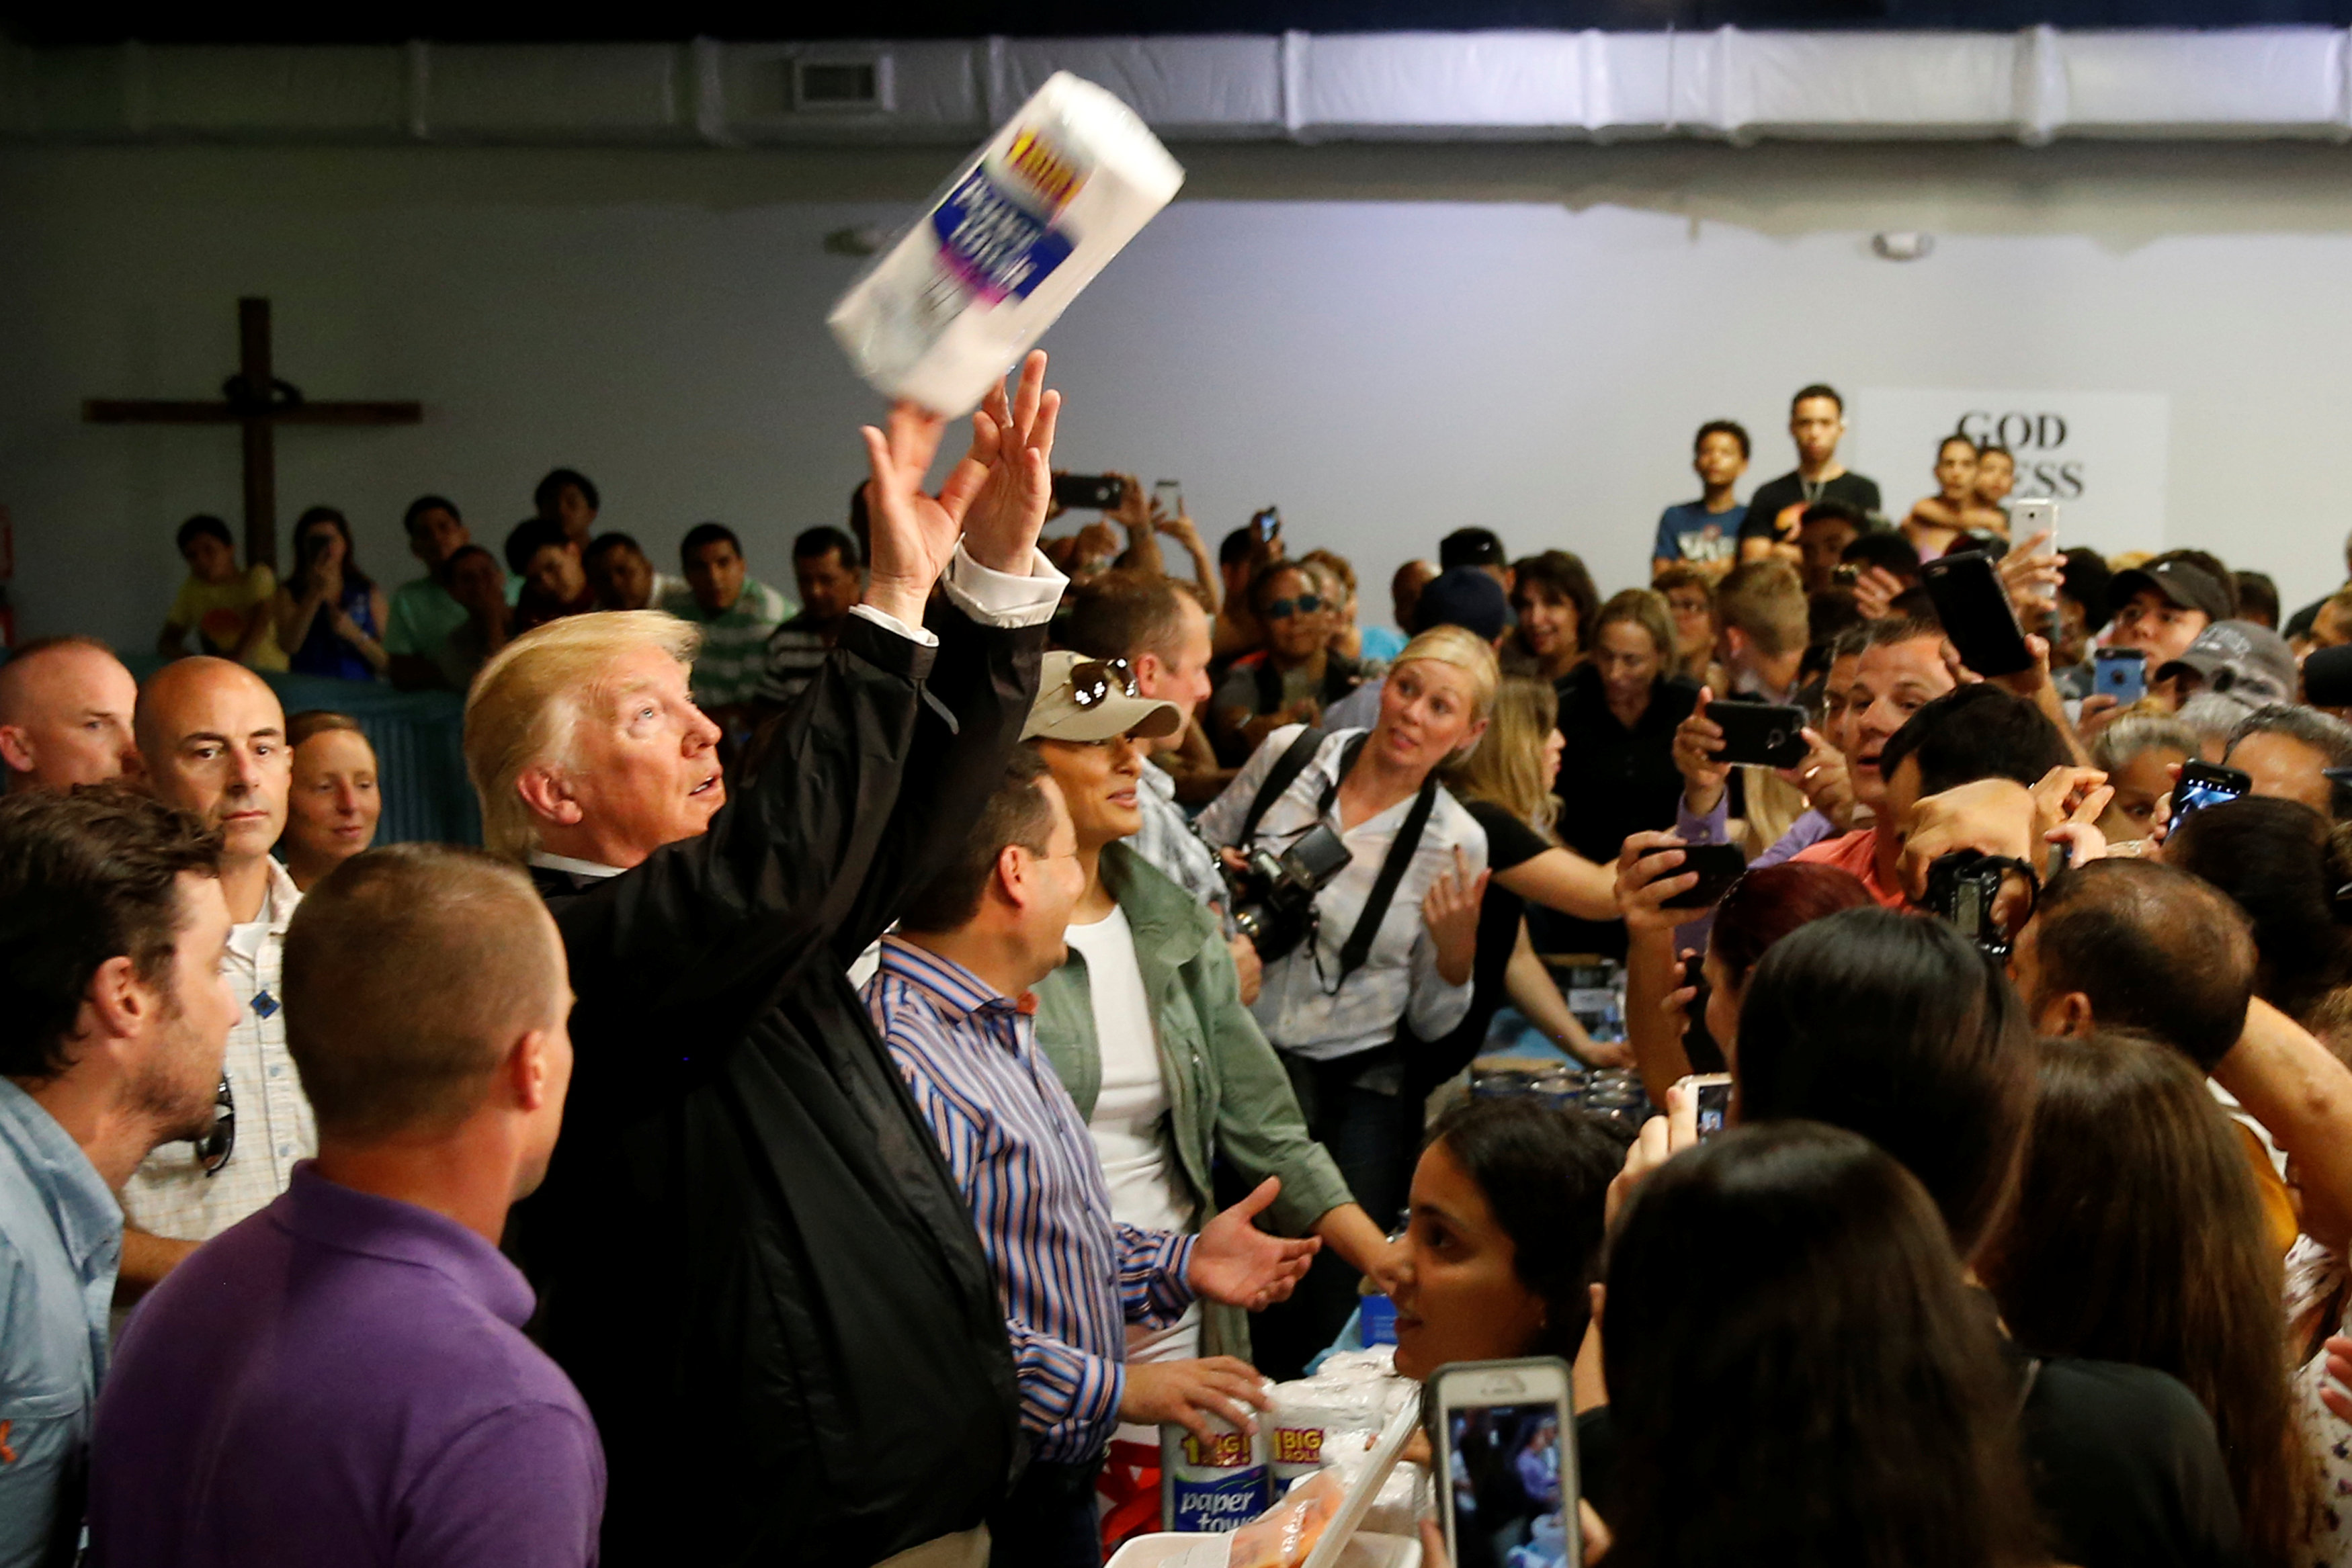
1364,907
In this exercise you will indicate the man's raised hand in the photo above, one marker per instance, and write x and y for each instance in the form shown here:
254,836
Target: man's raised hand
1013,485
914,533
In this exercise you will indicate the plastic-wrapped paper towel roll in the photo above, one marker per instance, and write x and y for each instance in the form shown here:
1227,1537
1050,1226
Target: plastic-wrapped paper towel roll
1005,246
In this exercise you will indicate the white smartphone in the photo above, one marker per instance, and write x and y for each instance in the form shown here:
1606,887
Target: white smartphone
1168,496
1505,1451
2031,515
1713,1092
2027,517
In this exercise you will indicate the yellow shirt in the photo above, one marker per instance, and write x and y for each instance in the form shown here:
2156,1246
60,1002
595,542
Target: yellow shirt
218,610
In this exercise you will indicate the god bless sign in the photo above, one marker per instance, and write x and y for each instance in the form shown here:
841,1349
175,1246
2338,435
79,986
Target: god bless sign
2100,454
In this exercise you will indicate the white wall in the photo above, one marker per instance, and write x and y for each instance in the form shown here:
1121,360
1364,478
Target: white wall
1389,342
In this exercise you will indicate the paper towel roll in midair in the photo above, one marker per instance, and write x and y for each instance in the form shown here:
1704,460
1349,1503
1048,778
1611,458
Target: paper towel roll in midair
1005,246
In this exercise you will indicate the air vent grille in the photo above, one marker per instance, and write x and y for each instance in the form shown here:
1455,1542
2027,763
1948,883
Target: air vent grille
842,86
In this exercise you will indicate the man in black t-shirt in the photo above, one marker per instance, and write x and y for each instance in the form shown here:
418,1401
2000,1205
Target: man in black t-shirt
1816,422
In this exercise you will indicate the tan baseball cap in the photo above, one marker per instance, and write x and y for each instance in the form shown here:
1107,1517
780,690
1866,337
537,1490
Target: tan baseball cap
1085,699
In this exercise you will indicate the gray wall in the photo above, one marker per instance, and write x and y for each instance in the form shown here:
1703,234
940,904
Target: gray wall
1388,341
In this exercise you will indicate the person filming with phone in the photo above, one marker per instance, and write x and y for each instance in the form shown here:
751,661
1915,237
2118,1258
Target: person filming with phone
1365,911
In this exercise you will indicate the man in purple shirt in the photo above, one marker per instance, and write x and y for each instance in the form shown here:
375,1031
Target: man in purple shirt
342,1378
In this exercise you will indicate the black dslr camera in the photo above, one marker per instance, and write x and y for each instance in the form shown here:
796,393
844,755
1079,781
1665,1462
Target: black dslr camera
1964,888
1273,899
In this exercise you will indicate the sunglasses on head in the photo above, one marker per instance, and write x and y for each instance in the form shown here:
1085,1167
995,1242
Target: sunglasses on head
1094,680
1284,609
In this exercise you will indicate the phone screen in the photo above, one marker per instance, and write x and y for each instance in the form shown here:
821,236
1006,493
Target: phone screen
1504,1465
2197,790
1714,1103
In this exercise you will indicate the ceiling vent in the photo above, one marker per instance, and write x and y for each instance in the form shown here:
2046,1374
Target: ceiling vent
837,85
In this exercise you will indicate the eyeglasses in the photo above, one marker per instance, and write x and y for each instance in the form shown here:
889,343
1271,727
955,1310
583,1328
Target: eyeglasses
1094,680
214,1148
1284,609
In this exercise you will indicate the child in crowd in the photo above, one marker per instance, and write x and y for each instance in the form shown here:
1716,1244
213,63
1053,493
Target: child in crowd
232,612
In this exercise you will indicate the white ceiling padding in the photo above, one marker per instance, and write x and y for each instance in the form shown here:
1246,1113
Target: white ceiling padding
2032,86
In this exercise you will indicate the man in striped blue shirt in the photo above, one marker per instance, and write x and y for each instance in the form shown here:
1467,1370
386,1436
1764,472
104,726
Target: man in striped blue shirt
951,1000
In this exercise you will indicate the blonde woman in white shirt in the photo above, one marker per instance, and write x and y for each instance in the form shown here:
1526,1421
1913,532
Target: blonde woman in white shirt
1338,1027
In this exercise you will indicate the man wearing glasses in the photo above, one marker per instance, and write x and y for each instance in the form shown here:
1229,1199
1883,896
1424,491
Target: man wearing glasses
113,1016
752,1258
215,740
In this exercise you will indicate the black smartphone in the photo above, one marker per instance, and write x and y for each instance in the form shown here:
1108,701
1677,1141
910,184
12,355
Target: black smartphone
1265,524
1770,735
1089,492
2204,784
1718,866
1976,613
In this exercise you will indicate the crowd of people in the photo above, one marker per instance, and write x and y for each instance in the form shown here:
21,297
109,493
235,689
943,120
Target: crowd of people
894,1049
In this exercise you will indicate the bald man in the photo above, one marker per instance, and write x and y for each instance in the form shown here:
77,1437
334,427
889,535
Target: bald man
214,741
65,715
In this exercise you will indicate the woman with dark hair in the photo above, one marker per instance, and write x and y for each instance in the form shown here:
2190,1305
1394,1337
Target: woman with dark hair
1797,1373
1897,1027
2138,1238
1504,1235
1293,678
1617,712
1764,906
2282,862
330,614
1868,1018
1556,604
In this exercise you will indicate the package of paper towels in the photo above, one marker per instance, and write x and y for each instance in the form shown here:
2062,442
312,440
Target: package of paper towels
1005,246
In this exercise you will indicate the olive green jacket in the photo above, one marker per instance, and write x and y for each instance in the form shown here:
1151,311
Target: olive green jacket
1228,1094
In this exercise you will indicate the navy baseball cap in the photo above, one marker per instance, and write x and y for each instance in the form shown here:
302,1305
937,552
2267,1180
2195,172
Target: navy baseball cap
1468,597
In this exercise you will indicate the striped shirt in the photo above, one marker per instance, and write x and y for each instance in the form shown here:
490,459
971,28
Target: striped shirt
734,641
1167,840
1070,1277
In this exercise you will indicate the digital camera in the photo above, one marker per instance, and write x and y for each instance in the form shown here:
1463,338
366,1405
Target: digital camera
1273,899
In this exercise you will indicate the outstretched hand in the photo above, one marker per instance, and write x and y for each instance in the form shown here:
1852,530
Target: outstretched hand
1013,439
1238,1264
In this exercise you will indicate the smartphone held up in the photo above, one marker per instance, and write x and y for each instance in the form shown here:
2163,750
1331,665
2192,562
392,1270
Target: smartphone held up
1505,1445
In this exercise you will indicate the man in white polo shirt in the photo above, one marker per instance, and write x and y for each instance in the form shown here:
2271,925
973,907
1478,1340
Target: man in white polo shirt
215,740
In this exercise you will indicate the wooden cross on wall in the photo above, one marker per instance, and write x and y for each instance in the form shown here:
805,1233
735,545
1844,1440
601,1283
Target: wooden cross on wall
257,400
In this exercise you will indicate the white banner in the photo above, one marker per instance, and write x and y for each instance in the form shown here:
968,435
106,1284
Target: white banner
2099,454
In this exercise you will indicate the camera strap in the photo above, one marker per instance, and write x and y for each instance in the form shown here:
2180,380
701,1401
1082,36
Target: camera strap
1359,946
1282,775
1286,768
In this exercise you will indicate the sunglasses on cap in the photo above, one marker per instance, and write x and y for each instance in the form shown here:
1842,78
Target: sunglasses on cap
1094,680
1284,609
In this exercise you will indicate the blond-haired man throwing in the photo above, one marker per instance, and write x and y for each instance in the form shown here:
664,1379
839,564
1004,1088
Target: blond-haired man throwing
754,1262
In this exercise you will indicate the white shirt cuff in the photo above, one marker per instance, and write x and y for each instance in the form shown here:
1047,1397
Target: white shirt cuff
999,598
919,635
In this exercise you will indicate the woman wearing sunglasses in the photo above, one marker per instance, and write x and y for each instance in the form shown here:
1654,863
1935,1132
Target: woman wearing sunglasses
1386,962
1294,677
1145,1025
